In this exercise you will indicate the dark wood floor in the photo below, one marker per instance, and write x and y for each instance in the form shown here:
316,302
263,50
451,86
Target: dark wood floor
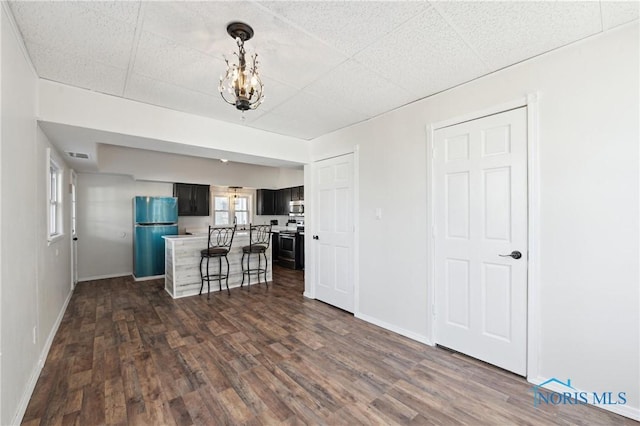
126,353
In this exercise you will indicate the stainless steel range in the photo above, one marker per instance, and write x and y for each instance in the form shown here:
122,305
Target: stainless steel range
291,248
287,249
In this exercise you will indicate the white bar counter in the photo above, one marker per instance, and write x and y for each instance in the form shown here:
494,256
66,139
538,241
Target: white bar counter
182,262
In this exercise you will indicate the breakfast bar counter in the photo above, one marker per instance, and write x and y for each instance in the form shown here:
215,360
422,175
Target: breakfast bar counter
182,263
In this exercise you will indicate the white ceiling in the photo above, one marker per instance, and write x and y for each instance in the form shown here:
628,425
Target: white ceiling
326,65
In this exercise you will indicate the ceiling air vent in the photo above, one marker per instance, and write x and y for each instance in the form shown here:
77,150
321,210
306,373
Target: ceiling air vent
78,155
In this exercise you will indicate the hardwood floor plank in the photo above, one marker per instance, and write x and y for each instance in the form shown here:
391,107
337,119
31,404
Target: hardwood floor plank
73,402
234,406
393,410
180,413
197,409
114,402
127,354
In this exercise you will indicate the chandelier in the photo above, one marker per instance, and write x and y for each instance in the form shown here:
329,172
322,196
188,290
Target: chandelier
241,85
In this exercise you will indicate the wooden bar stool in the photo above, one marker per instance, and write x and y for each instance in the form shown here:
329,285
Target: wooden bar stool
259,239
218,246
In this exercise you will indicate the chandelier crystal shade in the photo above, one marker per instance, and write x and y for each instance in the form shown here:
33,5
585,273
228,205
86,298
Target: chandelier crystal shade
241,85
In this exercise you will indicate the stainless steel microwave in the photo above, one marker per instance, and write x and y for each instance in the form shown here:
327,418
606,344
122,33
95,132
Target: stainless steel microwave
296,207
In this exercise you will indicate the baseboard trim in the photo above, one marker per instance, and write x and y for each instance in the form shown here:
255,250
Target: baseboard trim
623,410
104,277
153,277
308,295
401,331
33,380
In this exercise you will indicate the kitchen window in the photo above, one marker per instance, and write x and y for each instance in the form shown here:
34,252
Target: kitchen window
54,198
227,207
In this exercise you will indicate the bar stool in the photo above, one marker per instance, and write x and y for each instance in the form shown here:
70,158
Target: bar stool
218,246
259,239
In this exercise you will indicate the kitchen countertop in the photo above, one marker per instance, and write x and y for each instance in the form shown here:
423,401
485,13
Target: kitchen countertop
200,232
203,236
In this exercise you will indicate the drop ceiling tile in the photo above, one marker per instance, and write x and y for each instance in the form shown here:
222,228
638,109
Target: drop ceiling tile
356,87
616,13
125,11
160,93
504,33
275,93
348,26
285,53
307,111
76,70
182,23
163,59
307,129
432,59
75,30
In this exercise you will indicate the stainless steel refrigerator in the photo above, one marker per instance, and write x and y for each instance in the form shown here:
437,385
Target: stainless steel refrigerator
154,217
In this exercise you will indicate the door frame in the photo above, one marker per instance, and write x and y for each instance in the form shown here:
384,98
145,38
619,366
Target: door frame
531,101
73,232
310,226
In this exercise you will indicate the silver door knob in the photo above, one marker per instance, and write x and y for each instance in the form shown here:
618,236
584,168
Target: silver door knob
514,254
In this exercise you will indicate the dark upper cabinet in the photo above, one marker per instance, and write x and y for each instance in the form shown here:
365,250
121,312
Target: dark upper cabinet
266,201
276,202
193,200
297,193
282,201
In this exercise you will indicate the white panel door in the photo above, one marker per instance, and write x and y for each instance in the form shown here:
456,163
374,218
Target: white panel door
480,203
333,237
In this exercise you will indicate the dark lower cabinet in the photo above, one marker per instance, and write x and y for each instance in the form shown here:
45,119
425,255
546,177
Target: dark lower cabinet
193,200
275,246
300,252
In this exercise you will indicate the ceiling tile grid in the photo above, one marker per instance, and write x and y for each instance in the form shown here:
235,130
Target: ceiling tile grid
75,30
504,33
425,57
354,86
163,59
314,115
76,70
125,11
616,13
160,93
325,64
180,22
349,26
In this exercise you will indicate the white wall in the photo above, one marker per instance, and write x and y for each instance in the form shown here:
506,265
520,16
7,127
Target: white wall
160,166
105,207
36,278
589,242
105,222
73,106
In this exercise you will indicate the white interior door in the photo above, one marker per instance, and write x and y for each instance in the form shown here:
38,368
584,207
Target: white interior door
74,233
480,206
333,237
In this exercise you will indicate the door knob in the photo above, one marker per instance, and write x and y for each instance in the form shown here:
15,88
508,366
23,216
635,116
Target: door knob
75,238
315,237
514,254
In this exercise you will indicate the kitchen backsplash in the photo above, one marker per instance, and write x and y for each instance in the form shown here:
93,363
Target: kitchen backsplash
265,220
191,222
198,222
